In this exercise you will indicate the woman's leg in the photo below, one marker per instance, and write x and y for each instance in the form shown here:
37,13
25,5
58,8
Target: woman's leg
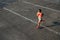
39,22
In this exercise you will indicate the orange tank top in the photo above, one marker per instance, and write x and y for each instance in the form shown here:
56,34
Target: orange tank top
39,14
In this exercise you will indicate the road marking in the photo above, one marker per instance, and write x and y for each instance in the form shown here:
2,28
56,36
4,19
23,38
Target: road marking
18,14
30,20
40,6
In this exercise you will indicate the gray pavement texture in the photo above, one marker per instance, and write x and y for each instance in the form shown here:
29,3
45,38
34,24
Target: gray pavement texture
13,27
47,3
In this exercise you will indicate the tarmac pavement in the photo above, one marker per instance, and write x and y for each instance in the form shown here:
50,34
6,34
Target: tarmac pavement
14,27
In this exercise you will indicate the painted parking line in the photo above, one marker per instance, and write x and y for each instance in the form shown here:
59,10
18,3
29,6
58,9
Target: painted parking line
58,33
40,6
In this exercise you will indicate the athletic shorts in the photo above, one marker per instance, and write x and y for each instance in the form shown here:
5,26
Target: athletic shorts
39,19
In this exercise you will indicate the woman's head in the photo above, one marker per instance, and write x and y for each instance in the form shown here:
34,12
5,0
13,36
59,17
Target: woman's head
39,10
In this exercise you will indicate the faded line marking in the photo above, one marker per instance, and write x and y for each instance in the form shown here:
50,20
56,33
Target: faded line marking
31,20
40,6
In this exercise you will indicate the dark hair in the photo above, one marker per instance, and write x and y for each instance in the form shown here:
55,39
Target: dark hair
40,10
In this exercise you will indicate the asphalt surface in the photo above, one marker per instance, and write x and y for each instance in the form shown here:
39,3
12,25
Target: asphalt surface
14,27
47,3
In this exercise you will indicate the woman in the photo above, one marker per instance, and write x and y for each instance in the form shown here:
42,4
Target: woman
39,15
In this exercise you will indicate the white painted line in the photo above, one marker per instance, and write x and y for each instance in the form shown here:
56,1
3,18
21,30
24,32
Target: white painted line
40,6
31,20
19,15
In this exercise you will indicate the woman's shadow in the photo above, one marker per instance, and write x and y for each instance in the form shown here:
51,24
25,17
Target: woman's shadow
56,23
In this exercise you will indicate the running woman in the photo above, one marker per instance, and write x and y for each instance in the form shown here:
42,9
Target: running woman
39,15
